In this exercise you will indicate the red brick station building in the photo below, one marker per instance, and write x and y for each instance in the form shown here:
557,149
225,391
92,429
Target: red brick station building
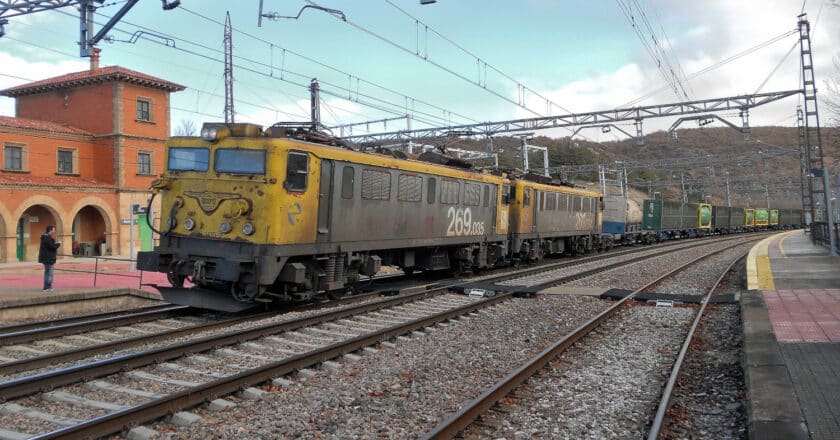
83,148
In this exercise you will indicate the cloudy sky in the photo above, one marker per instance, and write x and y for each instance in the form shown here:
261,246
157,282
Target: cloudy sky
451,62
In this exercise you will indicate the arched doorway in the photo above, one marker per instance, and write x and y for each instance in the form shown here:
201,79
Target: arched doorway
30,226
90,233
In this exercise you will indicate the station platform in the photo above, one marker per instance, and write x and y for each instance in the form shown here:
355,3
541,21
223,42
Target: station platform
791,324
81,285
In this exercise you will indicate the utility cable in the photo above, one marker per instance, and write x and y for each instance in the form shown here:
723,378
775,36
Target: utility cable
326,66
480,61
436,64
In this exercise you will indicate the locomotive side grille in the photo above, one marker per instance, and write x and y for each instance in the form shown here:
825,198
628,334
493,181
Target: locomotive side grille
410,188
376,185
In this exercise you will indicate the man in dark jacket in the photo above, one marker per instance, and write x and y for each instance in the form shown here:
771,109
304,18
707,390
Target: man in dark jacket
47,254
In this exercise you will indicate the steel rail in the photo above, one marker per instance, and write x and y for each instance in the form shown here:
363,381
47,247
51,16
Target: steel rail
119,420
37,334
664,404
83,352
13,328
470,411
28,385
147,411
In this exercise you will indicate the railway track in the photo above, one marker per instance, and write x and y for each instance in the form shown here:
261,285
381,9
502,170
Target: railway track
252,346
16,357
469,412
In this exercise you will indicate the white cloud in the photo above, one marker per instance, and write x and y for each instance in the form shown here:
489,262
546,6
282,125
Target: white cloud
17,71
718,30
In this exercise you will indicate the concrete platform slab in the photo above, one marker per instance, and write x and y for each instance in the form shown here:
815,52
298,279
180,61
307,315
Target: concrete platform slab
791,319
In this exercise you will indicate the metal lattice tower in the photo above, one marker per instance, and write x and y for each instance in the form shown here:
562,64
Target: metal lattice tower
803,162
228,71
810,132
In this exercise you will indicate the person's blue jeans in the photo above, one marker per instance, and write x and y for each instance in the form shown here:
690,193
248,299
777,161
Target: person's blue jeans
48,276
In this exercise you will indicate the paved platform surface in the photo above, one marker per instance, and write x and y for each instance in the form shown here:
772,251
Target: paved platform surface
791,319
21,283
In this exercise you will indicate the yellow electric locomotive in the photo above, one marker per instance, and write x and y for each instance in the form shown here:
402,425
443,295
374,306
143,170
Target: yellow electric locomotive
553,219
286,214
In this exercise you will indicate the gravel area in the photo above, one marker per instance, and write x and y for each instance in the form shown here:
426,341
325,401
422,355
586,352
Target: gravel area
708,400
606,386
577,268
646,271
404,391
698,279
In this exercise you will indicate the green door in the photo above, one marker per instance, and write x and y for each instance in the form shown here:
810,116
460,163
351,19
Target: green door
144,234
21,246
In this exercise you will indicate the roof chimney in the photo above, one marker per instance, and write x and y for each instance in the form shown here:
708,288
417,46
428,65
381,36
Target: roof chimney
94,58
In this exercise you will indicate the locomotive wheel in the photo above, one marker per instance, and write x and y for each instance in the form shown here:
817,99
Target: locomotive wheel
175,279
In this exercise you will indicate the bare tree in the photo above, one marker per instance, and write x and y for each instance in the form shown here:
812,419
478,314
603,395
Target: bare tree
832,98
186,128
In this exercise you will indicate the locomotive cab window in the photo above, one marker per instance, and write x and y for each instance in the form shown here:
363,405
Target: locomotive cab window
297,170
239,161
188,159
507,194
526,199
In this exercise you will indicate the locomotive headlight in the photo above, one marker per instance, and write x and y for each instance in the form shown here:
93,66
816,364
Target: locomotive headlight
209,134
248,228
189,224
171,222
224,228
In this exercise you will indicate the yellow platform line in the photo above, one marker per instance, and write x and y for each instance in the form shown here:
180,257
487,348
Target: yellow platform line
759,275
782,242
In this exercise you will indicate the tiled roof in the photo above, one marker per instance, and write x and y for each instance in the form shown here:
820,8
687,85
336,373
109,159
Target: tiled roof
32,124
86,77
59,182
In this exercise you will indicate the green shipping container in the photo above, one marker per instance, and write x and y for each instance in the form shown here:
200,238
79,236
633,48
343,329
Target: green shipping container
774,217
761,217
749,217
705,216
652,215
